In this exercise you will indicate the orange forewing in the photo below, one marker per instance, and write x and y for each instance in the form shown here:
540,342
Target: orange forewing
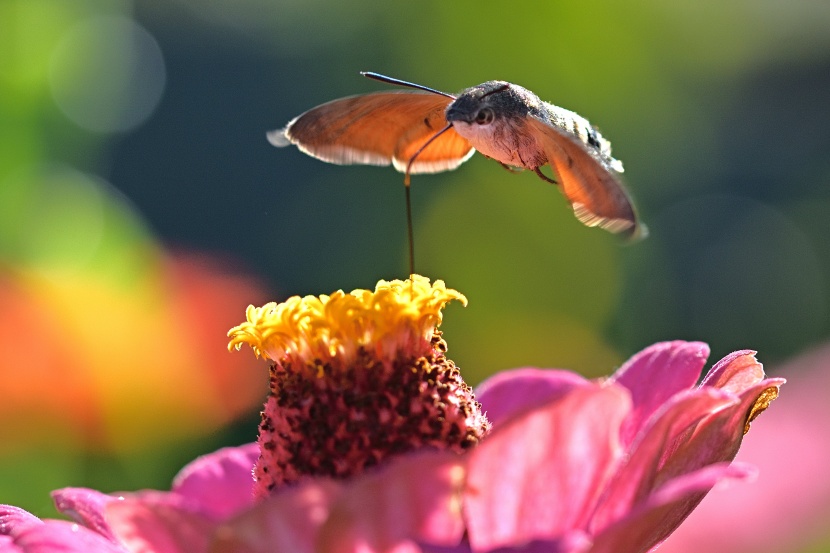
379,129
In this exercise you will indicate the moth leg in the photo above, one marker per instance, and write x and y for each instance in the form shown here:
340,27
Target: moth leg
544,177
512,169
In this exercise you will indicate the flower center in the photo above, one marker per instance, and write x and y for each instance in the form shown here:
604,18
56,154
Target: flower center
356,378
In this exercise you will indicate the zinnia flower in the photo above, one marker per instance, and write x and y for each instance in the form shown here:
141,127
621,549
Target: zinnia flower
570,465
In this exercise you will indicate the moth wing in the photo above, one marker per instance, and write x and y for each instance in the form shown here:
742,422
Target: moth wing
590,183
378,129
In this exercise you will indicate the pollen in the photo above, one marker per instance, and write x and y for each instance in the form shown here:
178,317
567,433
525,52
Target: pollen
355,379
761,404
398,315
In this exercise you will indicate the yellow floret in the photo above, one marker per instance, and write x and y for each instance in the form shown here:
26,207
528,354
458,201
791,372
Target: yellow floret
398,314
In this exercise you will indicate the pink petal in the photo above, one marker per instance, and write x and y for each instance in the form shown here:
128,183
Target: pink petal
160,523
286,522
658,517
736,372
14,520
717,438
416,498
540,475
511,392
656,374
573,542
220,483
637,478
86,507
58,536
7,545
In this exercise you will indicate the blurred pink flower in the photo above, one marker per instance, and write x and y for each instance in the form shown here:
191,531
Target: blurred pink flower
571,465
788,507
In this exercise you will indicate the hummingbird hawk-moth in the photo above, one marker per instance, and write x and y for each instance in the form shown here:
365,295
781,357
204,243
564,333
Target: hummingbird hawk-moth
429,131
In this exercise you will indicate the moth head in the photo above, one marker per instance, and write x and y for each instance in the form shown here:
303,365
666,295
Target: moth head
482,104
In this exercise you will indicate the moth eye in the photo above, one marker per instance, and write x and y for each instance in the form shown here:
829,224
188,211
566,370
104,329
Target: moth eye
485,116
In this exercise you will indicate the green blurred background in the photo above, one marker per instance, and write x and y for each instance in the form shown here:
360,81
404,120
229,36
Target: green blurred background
129,130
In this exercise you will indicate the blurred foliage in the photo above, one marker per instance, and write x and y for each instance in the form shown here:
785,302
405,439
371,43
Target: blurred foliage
112,346
716,111
125,126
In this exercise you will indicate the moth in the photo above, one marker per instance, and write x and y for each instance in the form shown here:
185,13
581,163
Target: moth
428,131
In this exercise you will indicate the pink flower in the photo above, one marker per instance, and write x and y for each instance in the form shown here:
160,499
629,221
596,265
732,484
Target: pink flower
570,465
788,507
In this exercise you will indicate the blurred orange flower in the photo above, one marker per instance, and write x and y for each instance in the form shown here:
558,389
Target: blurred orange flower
116,366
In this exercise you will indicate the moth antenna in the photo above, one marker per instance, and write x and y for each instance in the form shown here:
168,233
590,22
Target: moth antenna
406,182
398,82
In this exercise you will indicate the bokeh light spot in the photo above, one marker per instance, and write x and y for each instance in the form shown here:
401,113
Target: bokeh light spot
107,74
753,276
